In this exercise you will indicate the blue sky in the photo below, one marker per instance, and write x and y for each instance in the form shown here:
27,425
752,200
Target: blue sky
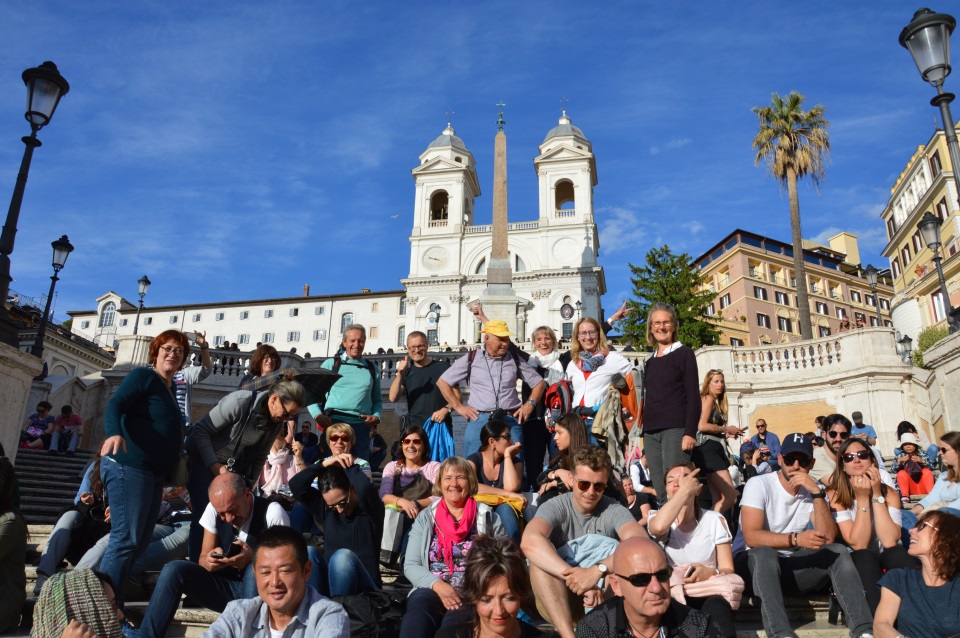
238,150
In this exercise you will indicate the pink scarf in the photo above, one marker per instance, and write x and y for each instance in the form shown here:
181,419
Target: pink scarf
450,531
276,471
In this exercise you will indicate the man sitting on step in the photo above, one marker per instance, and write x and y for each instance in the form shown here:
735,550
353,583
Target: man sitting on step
786,543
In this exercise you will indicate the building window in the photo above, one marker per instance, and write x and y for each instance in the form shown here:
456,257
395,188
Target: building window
320,310
243,339
855,296
711,310
942,211
939,313
123,322
822,308
905,255
174,319
293,335
374,332
244,314
917,243
107,314
784,324
814,287
196,317
374,306
345,320
895,265
841,313
763,320
793,282
294,312
891,228
873,321
884,304
84,324
147,321
402,336
432,337
403,306
782,298
319,335
267,314
870,300
736,342
935,167
566,331
267,337
888,323
824,331
760,292
218,316
724,301
218,341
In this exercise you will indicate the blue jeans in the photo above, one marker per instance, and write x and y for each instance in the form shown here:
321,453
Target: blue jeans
425,614
169,543
71,446
347,575
59,542
511,524
210,590
134,507
318,574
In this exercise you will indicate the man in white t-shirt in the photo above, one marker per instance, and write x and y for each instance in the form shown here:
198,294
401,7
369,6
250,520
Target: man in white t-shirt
232,522
562,590
786,543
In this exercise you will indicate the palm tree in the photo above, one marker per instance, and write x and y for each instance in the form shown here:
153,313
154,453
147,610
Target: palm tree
794,143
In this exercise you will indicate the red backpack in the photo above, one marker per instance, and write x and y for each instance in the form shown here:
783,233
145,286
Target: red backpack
558,400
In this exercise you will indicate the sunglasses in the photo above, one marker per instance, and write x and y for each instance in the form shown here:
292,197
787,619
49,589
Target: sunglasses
414,442
943,450
863,455
342,504
927,524
584,486
642,579
796,459
505,435
843,434
336,438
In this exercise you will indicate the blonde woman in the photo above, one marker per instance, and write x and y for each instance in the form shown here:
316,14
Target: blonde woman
711,454
340,439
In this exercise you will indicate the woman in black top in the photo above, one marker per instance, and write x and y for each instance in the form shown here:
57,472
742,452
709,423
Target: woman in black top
712,455
498,472
352,514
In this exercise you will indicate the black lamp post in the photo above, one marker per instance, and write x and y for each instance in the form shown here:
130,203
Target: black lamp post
143,285
930,230
579,305
871,274
45,87
927,38
61,250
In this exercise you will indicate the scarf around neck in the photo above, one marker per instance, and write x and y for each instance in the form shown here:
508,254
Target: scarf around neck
591,362
450,531
546,362
274,470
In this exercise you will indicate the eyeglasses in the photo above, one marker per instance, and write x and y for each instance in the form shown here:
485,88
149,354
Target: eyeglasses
414,442
342,504
643,579
172,350
506,435
584,486
416,347
863,455
796,459
336,438
661,324
843,434
591,333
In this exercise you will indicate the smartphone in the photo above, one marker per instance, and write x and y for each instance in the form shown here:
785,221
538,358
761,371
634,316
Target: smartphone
689,572
231,552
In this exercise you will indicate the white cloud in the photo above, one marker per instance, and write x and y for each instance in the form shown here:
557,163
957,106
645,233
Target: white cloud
621,229
694,227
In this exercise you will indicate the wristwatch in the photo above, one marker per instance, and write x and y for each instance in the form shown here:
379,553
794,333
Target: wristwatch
819,494
879,499
532,402
603,575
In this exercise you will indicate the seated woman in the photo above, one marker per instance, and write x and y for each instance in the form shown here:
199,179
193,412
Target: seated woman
80,603
440,543
569,434
855,488
496,585
923,603
498,473
913,468
696,539
640,503
352,514
38,430
408,482
946,491
341,438
78,529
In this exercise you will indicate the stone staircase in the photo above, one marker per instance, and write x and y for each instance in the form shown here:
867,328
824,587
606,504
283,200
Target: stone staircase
48,482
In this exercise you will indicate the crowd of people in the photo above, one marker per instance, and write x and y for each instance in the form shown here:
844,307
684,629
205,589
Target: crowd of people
603,517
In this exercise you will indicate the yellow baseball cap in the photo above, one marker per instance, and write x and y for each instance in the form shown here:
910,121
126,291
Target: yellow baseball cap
498,328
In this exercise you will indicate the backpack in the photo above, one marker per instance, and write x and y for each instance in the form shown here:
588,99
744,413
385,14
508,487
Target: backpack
374,614
338,361
558,399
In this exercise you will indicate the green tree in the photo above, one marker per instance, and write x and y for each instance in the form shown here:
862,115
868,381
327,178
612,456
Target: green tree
794,143
677,281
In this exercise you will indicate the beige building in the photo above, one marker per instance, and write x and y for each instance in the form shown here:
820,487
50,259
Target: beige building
756,301
925,185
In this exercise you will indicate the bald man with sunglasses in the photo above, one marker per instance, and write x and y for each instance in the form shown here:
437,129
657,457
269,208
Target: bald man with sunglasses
568,575
786,543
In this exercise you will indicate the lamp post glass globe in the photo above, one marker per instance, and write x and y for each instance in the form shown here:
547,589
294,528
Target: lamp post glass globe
143,285
45,87
61,250
871,274
929,226
927,38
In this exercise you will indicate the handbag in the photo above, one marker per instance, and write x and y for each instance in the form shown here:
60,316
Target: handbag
729,586
392,539
914,470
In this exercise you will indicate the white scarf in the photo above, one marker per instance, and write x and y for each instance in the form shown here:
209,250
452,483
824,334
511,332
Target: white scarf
547,361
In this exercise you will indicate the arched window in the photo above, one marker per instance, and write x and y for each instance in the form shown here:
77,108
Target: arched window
564,197
438,206
402,336
519,266
481,267
108,314
345,320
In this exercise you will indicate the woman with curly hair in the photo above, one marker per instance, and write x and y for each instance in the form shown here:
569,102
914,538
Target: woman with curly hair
923,603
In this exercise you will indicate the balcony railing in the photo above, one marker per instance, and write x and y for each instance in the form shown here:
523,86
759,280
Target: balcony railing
437,223
488,228
566,212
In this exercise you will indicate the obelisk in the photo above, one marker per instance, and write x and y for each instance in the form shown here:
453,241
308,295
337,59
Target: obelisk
499,299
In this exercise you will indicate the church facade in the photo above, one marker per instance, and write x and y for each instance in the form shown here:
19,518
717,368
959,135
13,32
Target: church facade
553,257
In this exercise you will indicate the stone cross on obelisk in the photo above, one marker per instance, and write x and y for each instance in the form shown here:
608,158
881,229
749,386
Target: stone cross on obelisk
499,299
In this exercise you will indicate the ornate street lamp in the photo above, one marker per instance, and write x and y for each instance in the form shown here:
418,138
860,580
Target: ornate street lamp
904,348
433,318
927,38
871,274
61,250
930,230
45,87
143,285
579,306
